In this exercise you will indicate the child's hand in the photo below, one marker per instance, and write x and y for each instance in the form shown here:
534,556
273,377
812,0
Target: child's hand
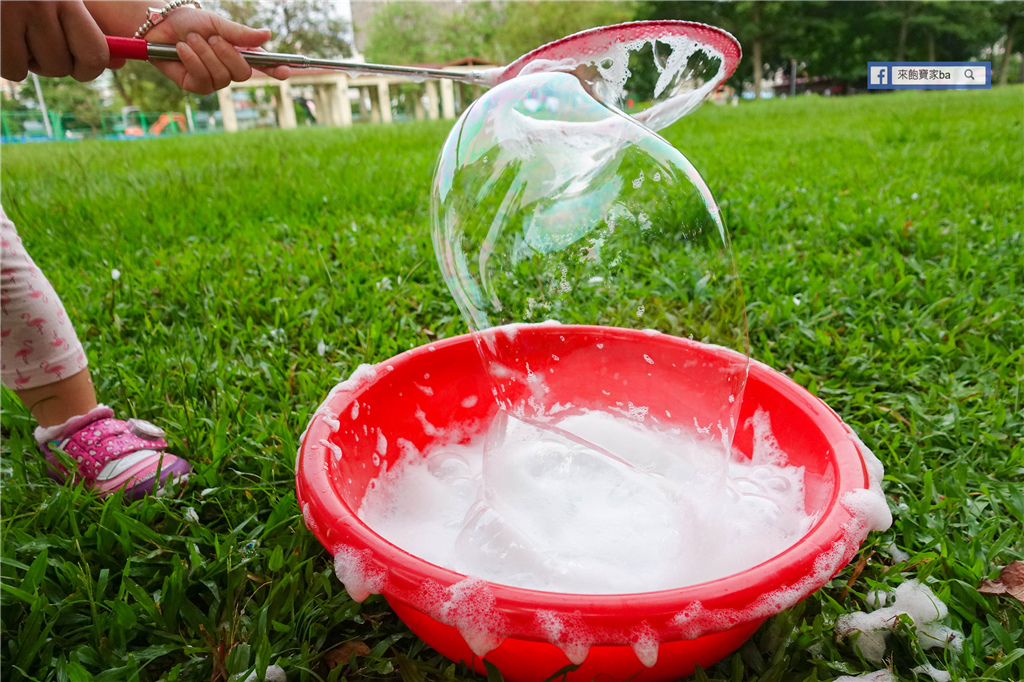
52,39
206,46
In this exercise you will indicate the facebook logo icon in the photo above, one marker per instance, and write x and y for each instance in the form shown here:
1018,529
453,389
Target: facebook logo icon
878,77
929,75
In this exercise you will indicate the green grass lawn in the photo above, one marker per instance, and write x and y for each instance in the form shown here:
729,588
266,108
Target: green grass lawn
880,244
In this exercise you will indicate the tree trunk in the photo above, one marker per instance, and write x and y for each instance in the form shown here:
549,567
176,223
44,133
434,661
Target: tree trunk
121,89
901,43
758,68
931,47
758,65
1004,68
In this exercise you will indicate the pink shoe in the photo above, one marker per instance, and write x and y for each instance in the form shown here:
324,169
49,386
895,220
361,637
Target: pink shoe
111,454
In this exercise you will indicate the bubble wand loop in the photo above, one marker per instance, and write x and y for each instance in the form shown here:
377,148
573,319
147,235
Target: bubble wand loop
590,46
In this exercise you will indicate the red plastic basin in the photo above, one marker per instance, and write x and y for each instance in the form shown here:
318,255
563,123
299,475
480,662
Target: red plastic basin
698,624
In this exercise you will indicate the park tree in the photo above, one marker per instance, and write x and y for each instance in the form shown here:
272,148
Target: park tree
931,30
527,25
309,27
140,85
837,39
67,96
415,32
406,33
1009,16
474,30
769,32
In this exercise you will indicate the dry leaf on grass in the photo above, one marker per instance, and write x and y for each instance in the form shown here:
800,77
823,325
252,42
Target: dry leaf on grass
1011,582
343,653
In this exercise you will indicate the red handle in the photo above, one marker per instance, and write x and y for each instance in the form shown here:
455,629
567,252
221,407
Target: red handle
128,48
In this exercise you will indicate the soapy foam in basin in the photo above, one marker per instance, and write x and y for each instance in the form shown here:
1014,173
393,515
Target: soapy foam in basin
545,512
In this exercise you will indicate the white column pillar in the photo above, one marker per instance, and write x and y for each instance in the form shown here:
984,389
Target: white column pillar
285,106
374,108
447,99
417,106
432,100
322,102
363,113
341,105
384,99
227,110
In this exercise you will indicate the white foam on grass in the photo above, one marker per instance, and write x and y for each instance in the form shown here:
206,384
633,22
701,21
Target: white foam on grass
876,676
932,672
870,630
895,553
273,673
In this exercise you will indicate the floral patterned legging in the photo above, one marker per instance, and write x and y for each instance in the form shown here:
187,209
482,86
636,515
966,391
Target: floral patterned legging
38,344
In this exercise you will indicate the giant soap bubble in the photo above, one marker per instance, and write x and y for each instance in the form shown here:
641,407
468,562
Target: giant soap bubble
549,205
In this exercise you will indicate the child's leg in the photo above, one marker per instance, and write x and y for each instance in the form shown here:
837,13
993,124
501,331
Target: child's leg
42,360
55,403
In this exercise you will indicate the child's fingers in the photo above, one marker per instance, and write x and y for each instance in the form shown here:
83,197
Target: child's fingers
279,72
176,71
239,35
236,65
218,74
191,74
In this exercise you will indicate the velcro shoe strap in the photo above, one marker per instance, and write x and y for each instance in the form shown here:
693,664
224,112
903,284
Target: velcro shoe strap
93,446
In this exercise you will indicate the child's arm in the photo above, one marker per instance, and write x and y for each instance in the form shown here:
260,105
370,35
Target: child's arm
67,39
206,42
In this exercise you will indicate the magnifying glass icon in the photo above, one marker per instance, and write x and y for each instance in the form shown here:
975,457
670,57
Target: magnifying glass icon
969,73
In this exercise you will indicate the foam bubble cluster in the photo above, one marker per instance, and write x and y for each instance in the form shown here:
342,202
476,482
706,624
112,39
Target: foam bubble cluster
870,630
545,511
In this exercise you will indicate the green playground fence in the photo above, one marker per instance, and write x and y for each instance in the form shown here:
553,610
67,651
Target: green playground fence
29,126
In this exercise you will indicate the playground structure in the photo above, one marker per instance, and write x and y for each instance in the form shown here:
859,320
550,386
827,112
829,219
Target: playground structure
164,121
332,95
28,126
